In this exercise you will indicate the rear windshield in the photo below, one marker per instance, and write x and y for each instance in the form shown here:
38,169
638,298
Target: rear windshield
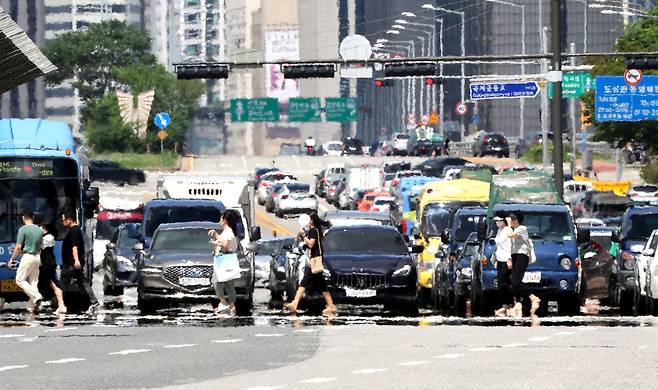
435,220
641,226
645,188
402,136
156,216
465,225
364,241
298,187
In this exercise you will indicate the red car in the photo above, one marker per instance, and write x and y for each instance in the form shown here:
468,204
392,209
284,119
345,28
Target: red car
369,200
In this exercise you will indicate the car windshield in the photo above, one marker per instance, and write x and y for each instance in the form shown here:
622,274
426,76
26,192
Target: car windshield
641,226
156,216
645,188
389,176
125,241
384,201
549,226
435,220
364,241
269,247
298,187
333,146
193,239
466,224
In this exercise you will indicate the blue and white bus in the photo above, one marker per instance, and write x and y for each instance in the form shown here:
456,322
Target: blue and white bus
40,170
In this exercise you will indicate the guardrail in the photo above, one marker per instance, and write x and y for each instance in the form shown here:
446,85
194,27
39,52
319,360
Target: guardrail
466,148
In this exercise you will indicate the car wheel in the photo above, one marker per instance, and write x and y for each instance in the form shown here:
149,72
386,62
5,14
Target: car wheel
133,180
653,306
243,307
146,306
639,301
108,290
460,305
506,155
279,214
476,300
626,302
569,305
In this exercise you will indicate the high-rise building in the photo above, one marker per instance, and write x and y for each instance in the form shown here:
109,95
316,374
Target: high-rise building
62,16
27,100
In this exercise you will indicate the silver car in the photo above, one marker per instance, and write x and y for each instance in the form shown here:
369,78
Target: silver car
295,198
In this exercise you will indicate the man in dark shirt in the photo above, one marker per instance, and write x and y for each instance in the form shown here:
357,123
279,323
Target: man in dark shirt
73,259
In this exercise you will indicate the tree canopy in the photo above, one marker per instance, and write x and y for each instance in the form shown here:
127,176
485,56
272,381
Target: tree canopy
641,36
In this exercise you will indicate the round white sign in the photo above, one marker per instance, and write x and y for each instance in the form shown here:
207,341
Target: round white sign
633,77
461,108
355,48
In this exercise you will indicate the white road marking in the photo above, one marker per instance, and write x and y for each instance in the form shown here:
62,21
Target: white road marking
565,333
514,345
265,388
269,335
63,361
305,331
367,371
179,346
319,380
9,336
450,356
7,368
538,339
482,349
643,346
413,363
60,329
228,341
129,351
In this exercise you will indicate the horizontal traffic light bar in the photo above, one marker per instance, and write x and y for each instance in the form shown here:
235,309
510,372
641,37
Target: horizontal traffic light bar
202,71
310,71
642,62
411,69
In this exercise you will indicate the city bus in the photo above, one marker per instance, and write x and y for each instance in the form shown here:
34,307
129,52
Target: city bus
40,170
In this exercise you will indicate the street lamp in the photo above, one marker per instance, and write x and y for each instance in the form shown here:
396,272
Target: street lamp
462,14
521,101
585,13
409,47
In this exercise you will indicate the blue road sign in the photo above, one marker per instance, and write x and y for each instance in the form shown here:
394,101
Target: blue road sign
162,120
507,90
616,101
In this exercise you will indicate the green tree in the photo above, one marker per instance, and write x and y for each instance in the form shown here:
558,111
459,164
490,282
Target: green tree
105,129
92,55
641,36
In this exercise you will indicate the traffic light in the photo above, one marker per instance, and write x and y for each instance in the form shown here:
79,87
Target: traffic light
202,71
383,83
642,62
430,81
314,71
406,69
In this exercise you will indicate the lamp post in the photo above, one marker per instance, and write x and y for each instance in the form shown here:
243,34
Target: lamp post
523,51
462,14
425,52
407,46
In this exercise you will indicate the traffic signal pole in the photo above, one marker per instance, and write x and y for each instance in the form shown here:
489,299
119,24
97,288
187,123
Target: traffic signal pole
556,103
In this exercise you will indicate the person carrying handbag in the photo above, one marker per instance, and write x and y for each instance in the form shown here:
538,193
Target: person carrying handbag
313,277
226,263
522,251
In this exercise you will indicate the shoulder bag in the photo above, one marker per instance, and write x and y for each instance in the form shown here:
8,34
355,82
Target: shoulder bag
316,262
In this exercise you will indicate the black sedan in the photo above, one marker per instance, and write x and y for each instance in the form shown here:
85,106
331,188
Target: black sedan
491,144
119,268
178,268
352,147
369,265
100,170
452,278
434,166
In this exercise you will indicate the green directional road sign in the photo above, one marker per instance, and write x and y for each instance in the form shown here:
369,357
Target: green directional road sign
340,109
255,110
574,85
304,110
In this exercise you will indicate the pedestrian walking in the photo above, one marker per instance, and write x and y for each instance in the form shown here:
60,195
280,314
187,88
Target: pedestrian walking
48,283
73,260
503,262
226,264
28,244
312,278
521,250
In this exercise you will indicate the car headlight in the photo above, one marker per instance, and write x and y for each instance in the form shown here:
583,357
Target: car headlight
281,269
637,248
565,262
432,249
151,271
404,271
628,256
126,263
466,272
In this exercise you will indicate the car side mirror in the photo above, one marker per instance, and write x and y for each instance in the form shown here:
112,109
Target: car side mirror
648,252
90,201
589,255
252,247
111,246
138,247
416,249
255,233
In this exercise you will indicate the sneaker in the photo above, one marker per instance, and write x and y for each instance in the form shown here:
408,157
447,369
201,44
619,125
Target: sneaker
221,308
535,301
37,305
61,310
92,309
502,312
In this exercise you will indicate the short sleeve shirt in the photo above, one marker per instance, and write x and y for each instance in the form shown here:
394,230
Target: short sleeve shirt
520,244
29,237
314,234
73,239
227,235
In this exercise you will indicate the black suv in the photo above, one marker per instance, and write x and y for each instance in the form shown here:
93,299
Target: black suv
491,144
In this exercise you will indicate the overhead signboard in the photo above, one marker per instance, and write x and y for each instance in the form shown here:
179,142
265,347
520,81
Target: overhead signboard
304,110
616,101
255,110
340,109
504,90
574,85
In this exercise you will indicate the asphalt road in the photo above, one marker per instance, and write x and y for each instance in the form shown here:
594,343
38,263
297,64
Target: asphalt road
361,348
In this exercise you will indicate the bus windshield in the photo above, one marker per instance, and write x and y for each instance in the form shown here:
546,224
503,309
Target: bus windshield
47,186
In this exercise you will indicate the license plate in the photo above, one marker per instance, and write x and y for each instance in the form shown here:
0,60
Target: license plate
532,277
9,286
194,281
497,148
354,293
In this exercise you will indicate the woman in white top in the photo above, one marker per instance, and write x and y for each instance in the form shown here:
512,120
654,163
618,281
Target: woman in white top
520,259
225,243
503,257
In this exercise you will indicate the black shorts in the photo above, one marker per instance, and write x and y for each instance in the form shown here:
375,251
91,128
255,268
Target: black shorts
313,282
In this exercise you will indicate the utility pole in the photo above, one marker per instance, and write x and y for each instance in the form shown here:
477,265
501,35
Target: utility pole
545,118
572,116
556,104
